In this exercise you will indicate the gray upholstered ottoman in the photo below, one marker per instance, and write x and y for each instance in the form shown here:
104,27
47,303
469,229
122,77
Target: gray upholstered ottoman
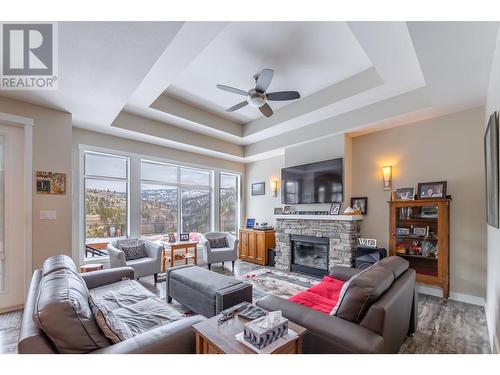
205,292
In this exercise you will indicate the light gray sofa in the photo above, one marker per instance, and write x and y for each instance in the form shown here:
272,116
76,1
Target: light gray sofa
57,317
223,254
150,265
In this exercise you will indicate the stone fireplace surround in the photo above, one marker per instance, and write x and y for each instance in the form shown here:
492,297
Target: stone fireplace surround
341,230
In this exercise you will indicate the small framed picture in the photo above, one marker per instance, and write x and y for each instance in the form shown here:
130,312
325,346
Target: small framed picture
405,194
287,209
278,211
184,236
431,190
429,212
171,237
420,231
50,183
367,242
250,223
259,188
360,203
335,208
403,231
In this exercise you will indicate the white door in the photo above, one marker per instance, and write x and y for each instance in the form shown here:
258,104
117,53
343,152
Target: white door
12,217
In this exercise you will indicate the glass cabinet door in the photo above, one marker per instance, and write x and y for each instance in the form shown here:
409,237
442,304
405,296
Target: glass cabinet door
417,237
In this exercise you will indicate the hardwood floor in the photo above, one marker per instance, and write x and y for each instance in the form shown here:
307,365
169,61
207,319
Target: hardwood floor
444,327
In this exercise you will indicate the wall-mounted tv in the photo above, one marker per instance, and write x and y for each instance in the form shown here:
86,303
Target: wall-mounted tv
319,182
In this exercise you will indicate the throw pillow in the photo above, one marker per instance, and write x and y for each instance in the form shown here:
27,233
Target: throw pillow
133,249
343,291
217,243
361,291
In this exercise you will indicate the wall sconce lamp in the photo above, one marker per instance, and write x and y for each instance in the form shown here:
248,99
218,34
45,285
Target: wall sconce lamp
387,173
274,188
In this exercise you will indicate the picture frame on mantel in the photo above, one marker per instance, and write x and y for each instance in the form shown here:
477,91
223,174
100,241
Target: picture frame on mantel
335,208
259,188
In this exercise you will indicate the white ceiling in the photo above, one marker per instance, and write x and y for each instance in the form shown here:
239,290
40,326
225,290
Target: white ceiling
155,81
305,56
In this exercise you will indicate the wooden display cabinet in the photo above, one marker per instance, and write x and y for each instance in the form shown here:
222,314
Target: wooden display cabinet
419,231
254,244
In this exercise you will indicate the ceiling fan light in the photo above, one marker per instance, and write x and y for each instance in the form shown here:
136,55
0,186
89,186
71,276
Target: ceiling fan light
256,99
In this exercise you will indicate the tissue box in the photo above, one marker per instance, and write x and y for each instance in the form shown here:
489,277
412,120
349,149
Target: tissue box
261,338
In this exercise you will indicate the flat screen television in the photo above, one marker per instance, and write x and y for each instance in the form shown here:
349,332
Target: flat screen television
320,182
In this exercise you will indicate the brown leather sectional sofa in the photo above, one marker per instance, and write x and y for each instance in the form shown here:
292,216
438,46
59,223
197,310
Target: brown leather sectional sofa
57,317
376,315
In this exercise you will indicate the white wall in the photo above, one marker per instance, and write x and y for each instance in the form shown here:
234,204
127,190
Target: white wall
261,207
52,153
493,234
448,148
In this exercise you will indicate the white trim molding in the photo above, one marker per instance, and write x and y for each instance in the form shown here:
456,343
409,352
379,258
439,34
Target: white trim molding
461,297
27,124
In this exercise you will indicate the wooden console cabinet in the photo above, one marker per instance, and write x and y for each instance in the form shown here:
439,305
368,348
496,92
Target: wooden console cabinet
420,233
254,245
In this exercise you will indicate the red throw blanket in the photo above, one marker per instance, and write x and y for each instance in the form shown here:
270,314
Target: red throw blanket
322,297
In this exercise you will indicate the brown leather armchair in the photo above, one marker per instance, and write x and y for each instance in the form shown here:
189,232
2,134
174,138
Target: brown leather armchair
376,315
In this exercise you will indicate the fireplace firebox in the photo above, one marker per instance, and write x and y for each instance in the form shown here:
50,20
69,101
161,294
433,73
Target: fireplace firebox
310,254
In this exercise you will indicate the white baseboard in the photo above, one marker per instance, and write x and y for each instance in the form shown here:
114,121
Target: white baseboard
467,298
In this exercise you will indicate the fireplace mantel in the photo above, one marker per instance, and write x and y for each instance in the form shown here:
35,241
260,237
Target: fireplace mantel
321,217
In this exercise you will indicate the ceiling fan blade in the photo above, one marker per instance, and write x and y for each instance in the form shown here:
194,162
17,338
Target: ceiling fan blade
264,80
234,90
266,110
237,106
283,95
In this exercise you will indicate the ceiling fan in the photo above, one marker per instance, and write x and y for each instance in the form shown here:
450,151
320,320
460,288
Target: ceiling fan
257,97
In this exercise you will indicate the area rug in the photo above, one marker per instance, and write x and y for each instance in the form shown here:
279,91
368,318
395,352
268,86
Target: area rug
282,284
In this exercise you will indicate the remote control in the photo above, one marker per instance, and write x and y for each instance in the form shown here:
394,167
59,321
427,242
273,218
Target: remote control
234,309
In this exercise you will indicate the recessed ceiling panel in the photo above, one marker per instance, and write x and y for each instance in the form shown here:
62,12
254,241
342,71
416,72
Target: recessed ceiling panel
305,56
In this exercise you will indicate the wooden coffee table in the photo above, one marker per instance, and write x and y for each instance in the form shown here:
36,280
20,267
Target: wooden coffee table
171,254
213,338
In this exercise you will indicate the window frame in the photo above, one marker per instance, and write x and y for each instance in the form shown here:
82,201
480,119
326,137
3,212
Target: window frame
238,199
85,177
180,188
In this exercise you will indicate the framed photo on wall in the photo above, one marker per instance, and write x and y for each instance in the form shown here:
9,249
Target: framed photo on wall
259,188
360,203
50,183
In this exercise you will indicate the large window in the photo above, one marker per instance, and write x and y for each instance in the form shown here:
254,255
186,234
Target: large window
133,196
106,196
159,198
196,198
171,195
228,203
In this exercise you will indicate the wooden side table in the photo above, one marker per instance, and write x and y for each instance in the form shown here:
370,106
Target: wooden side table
213,338
91,267
170,255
